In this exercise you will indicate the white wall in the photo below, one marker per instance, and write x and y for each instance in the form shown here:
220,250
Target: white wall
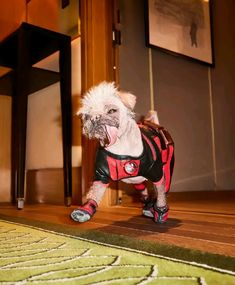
44,134
183,98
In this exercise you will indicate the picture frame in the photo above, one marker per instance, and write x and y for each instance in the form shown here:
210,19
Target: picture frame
181,27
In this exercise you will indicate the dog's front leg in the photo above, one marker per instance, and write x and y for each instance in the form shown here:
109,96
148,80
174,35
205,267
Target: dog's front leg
94,196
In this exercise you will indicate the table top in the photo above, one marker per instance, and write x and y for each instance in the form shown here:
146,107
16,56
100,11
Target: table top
39,42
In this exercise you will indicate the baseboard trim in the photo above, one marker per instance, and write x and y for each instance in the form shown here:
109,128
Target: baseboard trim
47,186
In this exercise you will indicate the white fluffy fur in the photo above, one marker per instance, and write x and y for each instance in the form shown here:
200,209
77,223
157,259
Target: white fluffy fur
105,92
129,138
95,105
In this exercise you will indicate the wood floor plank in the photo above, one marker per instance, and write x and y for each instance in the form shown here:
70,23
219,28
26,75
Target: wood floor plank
206,225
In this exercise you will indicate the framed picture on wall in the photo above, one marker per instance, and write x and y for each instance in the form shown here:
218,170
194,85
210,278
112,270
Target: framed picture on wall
181,27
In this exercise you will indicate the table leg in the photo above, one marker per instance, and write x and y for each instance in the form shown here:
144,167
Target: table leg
66,109
19,118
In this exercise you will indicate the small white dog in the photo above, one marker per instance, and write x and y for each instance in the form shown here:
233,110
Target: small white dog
128,151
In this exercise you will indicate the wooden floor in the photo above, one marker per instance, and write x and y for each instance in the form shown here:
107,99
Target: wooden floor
204,221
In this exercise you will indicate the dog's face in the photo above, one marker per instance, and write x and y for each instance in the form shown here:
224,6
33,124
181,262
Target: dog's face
105,113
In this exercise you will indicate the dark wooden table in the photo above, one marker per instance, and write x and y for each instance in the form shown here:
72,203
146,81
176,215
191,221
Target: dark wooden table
19,52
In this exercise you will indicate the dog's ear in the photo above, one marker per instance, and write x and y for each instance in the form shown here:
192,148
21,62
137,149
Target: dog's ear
127,99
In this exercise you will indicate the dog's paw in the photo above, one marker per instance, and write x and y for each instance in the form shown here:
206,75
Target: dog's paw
161,214
80,216
85,212
148,210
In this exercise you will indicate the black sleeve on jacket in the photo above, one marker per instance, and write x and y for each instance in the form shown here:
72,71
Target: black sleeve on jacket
101,167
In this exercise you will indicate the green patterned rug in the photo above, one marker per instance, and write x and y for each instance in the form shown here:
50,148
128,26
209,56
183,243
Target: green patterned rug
30,255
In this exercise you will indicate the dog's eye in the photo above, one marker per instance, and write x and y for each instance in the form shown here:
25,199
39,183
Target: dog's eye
111,111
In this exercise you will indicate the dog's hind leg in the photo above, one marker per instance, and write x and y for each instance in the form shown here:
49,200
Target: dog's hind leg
157,208
142,190
160,208
160,194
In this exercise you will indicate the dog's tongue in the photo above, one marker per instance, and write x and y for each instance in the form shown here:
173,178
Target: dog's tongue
111,134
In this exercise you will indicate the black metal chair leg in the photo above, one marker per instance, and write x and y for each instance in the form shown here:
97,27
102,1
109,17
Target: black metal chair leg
66,110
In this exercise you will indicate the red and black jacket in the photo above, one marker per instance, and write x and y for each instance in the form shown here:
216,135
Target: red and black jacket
149,164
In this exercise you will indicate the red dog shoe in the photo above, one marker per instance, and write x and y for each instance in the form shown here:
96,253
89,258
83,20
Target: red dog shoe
85,212
148,210
160,214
